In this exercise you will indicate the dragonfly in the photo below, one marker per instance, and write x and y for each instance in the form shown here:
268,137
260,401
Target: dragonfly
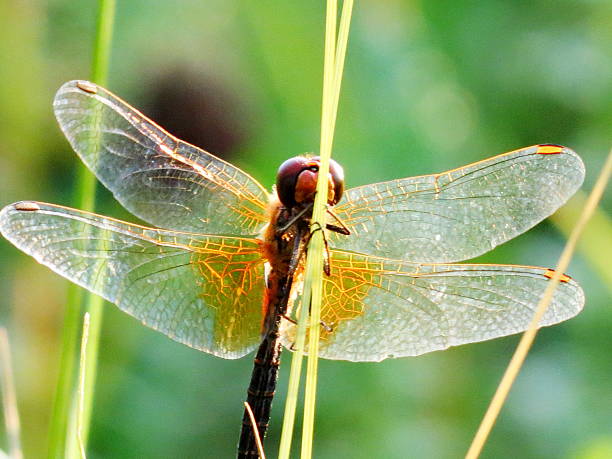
222,265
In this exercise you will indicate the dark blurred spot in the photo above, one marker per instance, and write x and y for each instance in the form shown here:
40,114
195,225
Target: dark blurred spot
199,111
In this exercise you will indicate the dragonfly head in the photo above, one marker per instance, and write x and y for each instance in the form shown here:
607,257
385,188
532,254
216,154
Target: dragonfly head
296,181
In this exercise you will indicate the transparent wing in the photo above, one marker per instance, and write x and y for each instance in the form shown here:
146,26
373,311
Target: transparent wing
375,308
156,176
203,291
462,213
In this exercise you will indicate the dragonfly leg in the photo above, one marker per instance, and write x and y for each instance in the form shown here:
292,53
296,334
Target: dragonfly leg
294,219
326,266
340,228
289,319
327,328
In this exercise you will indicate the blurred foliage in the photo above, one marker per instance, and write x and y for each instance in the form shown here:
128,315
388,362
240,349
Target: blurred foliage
428,86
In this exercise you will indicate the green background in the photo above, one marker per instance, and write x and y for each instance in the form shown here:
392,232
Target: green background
428,86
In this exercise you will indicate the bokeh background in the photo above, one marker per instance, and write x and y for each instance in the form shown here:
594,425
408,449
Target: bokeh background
428,86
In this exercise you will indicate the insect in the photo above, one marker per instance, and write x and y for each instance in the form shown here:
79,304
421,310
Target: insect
221,268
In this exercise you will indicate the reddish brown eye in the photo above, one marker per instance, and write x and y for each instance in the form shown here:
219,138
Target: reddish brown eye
286,178
296,180
337,177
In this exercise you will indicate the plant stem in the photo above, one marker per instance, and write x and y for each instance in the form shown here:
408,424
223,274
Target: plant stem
529,336
312,294
595,244
9,398
63,390
62,437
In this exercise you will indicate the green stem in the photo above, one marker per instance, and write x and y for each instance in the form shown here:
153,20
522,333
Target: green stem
104,37
335,52
65,383
594,245
64,410
314,258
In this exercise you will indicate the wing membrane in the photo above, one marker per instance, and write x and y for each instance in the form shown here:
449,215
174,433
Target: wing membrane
375,308
462,213
163,180
203,291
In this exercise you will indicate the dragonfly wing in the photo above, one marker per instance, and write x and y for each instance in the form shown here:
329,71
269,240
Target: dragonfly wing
203,291
462,213
376,308
161,179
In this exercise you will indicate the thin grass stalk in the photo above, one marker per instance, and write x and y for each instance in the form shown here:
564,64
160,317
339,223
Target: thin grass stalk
100,66
9,398
292,392
343,34
332,74
319,219
334,69
313,248
64,405
314,259
529,336
58,427
81,390
594,245
260,450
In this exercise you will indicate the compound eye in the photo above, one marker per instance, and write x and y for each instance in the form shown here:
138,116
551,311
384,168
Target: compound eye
286,179
297,177
337,178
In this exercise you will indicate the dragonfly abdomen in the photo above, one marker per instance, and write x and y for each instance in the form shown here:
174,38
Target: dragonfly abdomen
278,251
260,394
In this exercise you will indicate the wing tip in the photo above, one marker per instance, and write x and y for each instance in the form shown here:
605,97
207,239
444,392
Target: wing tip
569,155
550,273
83,86
16,207
576,292
550,149
555,149
25,206
86,86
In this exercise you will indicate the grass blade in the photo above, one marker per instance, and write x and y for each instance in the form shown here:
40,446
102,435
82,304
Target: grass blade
335,51
529,336
595,243
84,199
9,399
81,390
314,260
